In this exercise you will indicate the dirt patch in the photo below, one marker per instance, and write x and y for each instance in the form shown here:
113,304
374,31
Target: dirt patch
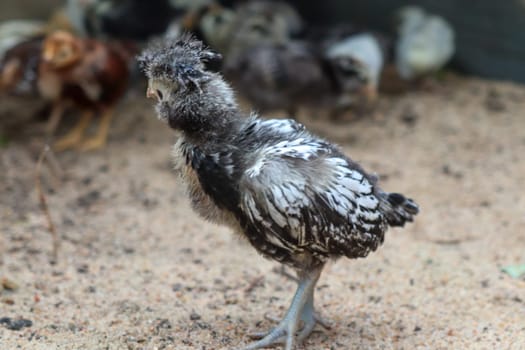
138,269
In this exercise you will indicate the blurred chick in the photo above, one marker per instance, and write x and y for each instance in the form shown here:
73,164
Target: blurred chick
279,12
86,74
206,19
14,32
356,62
261,23
216,27
425,42
278,76
296,73
19,67
19,98
20,48
120,19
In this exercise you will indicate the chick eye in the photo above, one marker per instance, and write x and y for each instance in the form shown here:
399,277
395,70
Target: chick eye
260,29
63,53
218,20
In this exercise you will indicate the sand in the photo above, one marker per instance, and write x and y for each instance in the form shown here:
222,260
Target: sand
137,269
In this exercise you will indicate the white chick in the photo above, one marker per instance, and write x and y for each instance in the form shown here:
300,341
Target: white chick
357,62
425,43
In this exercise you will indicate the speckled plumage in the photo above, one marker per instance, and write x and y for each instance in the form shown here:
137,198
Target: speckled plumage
294,196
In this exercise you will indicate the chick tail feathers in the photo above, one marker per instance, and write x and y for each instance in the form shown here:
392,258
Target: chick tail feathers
397,208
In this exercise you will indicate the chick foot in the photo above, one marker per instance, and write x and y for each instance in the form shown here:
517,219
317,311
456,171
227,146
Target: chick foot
92,144
74,137
309,319
301,310
99,140
67,142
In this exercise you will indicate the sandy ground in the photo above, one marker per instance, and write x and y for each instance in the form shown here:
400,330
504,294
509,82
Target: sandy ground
138,270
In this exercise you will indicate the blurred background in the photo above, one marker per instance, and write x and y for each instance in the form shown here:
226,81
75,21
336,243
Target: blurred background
331,58
489,34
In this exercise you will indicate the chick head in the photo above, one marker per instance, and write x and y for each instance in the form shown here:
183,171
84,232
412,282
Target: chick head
357,62
187,94
61,49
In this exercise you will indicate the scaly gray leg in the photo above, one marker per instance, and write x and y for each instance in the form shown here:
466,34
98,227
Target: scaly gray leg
301,309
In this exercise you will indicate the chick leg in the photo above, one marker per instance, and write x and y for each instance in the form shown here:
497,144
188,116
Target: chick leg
310,318
74,137
301,309
57,111
100,138
370,93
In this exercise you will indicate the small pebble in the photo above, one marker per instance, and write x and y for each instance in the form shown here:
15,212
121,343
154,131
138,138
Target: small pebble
164,323
84,268
15,325
9,284
8,301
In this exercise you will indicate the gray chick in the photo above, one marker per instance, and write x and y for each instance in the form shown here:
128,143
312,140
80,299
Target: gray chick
296,198
425,42
260,23
279,76
297,73
216,26
279,12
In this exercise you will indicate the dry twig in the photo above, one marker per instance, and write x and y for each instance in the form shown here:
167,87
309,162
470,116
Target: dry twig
43,203
253,284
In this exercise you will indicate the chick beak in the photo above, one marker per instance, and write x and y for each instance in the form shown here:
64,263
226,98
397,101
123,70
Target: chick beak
47,55
150,93
370,93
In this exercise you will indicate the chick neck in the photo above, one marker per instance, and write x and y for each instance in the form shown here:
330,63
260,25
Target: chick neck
212,118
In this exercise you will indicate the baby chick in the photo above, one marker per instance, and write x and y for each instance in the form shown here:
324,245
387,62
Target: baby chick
279,76
216,27
296,198
129,19
425,42
357,61
20,43
16,31
20,100
261,23
19,67
275,76
87,74
278,12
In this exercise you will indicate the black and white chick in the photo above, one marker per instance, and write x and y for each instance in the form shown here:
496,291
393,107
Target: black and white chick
295,73
356,62
293,196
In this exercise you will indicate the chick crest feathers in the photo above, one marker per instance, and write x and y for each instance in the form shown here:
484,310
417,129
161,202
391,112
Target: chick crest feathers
182,60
